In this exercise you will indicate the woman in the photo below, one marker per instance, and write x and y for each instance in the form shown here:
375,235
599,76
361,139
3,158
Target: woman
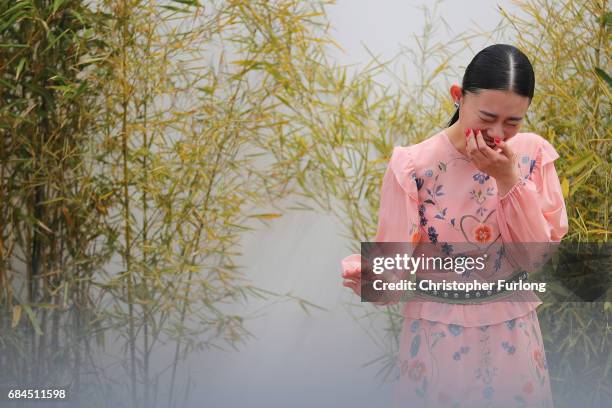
461,186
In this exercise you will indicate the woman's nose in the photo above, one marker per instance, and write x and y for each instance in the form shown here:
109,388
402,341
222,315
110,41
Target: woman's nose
495,131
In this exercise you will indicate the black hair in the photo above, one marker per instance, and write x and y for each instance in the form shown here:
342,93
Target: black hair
499,66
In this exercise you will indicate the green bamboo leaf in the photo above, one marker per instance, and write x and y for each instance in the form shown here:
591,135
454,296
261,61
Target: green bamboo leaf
8,85
22,63
16,316
266,216
66,290
19,5
188,2
283,100
54,39
580,164
10,20
603,75
63,88
44,305
81,89
565,187
56,5
14,45
78,16
177,9
89,61
248,63
33,319
242,227
582,178
207,89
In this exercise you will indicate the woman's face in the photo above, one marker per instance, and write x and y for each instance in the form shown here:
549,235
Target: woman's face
497,113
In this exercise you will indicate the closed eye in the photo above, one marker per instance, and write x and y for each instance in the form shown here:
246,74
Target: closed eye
492,121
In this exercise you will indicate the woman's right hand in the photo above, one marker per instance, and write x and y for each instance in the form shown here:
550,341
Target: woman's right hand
351,272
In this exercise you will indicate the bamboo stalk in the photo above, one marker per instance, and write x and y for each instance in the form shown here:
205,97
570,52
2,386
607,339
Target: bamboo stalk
126,197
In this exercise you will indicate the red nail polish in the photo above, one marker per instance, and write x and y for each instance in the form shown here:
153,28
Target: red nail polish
497,140
467,132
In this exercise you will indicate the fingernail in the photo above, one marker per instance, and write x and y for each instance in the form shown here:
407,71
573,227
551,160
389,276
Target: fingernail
467,132
497,140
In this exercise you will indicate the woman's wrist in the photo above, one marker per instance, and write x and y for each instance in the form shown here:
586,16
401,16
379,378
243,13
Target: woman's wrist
504,185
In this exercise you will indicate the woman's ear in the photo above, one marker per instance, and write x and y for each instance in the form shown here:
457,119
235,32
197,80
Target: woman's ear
455,91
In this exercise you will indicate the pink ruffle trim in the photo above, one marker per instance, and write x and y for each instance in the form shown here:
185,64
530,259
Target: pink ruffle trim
402,166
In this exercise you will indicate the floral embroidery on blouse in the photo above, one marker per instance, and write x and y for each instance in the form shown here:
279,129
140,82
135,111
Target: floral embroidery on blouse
433,194
509,348
481,177
500,253
433,235
527,160
447,248
482,233
538,356
455,329
480,197
416,370
462,350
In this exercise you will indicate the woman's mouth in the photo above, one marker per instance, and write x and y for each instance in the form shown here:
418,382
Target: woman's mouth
488,140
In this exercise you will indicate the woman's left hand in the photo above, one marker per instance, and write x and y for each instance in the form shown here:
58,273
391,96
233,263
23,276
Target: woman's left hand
501,163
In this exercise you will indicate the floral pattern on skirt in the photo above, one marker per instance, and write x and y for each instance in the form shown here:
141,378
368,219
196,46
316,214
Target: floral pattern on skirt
447,365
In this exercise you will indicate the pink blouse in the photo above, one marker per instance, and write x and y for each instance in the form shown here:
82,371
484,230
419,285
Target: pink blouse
429,186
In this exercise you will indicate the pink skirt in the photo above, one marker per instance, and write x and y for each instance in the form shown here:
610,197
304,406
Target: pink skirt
447,365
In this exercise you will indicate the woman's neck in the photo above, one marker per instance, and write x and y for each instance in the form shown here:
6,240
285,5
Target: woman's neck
456,137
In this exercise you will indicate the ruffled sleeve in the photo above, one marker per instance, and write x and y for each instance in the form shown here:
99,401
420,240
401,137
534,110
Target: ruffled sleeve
398,218
398,210
533,210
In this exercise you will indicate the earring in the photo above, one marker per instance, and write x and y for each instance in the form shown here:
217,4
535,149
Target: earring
456,104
